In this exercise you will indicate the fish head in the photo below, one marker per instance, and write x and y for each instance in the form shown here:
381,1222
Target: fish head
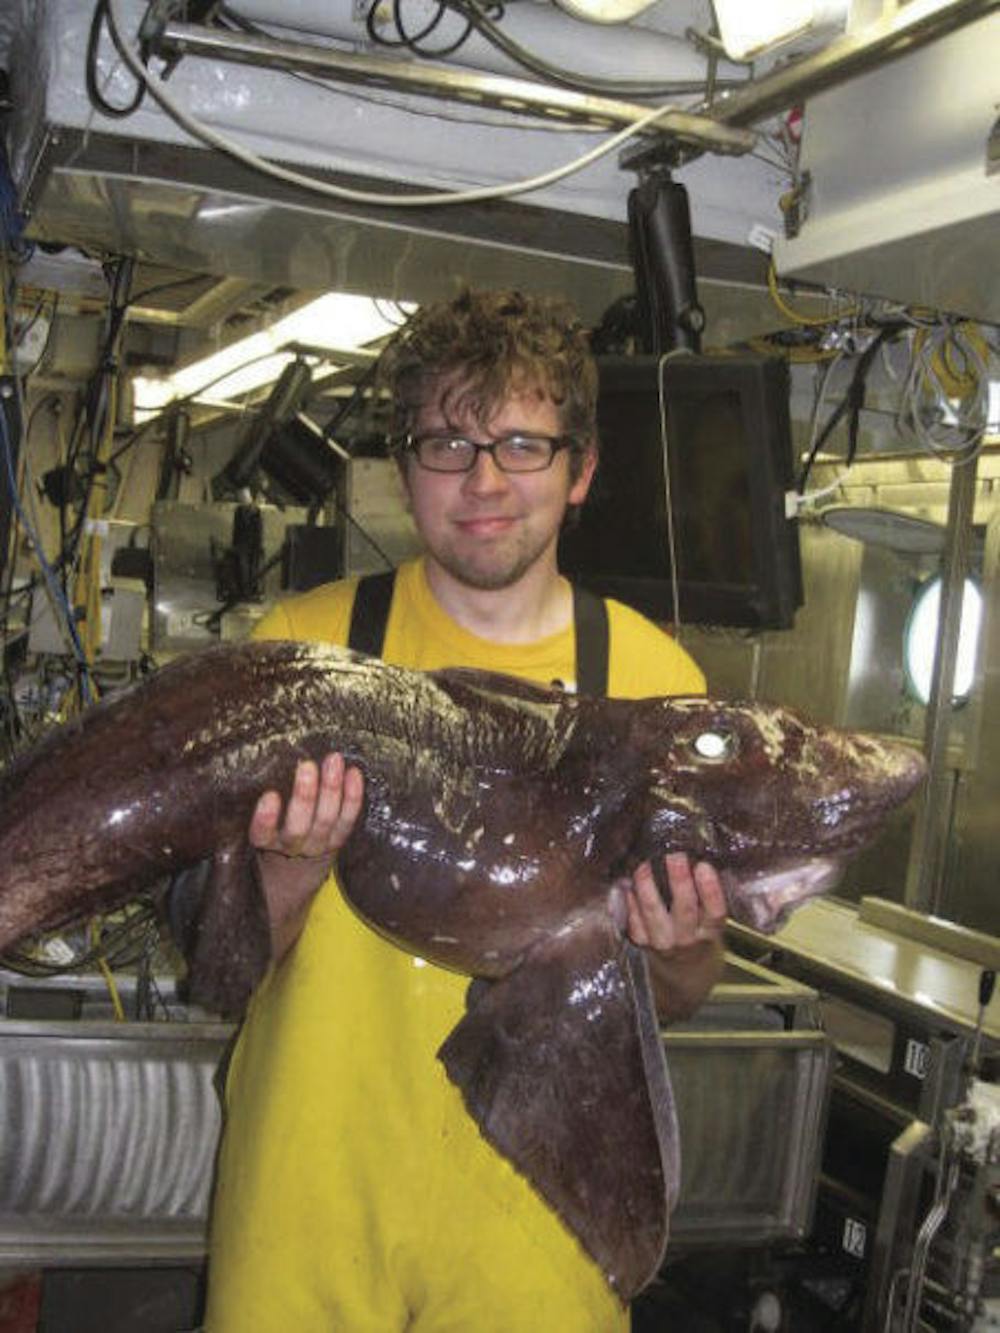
776,803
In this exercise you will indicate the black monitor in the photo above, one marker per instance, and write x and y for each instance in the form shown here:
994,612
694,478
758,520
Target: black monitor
696,458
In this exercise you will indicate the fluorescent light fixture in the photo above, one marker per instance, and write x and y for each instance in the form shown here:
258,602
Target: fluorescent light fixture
336,322
749,27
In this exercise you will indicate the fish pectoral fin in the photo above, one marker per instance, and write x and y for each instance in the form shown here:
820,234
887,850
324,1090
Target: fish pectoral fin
225,935
561,1066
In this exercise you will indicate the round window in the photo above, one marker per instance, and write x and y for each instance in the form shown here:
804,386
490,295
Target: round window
921,636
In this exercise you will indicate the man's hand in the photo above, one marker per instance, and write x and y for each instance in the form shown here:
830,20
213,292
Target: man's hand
684,939
296,853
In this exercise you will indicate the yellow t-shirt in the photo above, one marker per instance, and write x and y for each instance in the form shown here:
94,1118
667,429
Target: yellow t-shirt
354,1192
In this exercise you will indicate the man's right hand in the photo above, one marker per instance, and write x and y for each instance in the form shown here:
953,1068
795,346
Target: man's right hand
296,852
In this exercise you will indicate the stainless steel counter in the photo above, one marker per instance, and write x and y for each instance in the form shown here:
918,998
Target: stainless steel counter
909,961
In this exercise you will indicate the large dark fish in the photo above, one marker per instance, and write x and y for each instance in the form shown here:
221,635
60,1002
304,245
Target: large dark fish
499,818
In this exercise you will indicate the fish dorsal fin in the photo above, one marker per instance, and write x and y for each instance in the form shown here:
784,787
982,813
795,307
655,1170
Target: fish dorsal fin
561,1065
517,723
495,683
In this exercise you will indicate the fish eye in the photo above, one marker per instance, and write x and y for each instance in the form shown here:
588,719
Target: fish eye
715,745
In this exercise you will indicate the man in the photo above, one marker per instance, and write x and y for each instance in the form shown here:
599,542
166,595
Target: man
354,1192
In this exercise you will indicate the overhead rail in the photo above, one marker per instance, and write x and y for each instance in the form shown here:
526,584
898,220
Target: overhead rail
495,91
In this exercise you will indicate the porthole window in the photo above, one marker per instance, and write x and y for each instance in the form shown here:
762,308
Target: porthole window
921,636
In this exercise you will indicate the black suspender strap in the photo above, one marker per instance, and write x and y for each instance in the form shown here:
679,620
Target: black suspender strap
590,618
370,616
370,613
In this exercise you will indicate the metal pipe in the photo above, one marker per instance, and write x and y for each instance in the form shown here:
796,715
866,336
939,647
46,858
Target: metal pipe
899,30
924,878
619,50
435,81
221,299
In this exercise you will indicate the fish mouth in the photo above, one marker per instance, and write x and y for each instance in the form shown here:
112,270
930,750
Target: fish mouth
764,899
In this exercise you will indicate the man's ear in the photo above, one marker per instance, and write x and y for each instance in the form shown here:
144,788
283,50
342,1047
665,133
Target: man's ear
587,466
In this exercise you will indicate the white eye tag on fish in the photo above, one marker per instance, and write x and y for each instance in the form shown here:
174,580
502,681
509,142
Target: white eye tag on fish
713,745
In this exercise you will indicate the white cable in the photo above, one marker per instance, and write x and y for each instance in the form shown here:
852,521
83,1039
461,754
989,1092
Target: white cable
661,390
198,130
809,496
925,398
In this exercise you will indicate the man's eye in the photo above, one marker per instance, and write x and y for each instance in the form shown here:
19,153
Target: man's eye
525,446
444,445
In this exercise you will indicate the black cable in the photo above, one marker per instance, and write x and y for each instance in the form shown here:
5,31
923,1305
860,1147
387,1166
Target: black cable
411,40
852,402
165,287
404,38
97,22
524,122
211,620
175,404
22,331
91,419
137,435
373,32
486,27
119,946
348,408
342,510
48,336
15,730
449,50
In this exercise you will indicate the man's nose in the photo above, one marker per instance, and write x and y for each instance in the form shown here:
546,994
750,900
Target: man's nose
484,475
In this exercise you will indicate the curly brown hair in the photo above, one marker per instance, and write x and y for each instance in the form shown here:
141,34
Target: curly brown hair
480,346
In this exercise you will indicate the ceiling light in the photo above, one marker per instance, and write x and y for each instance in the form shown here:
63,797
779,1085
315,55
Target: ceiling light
747,29
335,322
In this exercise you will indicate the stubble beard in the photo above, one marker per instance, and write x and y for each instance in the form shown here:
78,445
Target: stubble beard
494,570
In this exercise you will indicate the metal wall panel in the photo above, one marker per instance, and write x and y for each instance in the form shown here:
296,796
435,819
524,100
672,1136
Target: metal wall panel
972,876
804,667
843,664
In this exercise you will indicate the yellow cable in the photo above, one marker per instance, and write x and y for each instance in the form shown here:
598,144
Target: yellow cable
809,321
87,593
796,355
959,380
108,975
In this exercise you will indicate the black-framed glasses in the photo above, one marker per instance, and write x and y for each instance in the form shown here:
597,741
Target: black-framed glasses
447,452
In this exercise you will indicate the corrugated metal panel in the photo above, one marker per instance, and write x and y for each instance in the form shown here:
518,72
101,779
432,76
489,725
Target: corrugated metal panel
107,1140
752,1109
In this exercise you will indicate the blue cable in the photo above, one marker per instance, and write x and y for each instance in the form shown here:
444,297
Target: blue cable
50,578
11,218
